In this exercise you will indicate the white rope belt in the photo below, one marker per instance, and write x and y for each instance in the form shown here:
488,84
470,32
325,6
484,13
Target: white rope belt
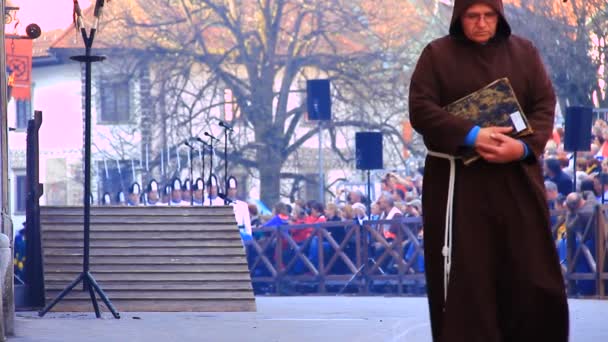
447,241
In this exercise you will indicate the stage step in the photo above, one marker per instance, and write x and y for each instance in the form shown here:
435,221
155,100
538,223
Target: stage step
187,259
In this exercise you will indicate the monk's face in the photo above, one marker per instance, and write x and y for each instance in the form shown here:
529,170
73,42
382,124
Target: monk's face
479,23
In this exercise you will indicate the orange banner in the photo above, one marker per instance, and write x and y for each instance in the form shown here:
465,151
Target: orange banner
19,67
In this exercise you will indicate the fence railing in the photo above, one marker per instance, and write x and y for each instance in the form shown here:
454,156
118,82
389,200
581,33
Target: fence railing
388,256
338,257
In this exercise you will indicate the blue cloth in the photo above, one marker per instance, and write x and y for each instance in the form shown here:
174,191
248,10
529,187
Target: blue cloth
275,222
472,136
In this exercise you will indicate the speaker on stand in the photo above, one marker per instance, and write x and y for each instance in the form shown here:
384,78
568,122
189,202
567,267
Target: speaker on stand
577,135
368,155
318,105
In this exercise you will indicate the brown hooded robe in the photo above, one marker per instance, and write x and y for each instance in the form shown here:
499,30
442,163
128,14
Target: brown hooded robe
505,282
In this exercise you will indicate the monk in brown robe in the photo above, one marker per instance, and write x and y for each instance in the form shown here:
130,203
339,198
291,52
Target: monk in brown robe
501,267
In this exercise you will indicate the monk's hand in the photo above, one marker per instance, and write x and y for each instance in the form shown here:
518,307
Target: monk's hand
504,149
484,135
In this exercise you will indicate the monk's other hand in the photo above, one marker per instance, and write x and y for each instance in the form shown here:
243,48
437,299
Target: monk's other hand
504,149
484,135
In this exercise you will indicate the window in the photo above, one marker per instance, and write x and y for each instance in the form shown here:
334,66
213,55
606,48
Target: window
115,102
24,113
20,193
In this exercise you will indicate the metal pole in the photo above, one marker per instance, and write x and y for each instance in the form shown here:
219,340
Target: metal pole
226,165
574,174
5,226
321,180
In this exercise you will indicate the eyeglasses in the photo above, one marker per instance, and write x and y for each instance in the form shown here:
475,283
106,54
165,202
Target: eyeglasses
475,17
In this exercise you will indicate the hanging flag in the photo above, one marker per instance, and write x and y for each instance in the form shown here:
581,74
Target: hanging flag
189,158
147,157
105,166
179,162
168,158
162,162
19,67
118,167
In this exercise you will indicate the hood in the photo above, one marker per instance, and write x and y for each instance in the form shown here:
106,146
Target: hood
460,6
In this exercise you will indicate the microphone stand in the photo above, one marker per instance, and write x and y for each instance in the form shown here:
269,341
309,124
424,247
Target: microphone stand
226,130
88,282
211,168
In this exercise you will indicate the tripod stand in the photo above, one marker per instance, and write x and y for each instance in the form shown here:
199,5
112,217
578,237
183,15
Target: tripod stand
89,283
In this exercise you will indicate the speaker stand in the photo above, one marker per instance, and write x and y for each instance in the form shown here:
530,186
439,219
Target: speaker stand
574,174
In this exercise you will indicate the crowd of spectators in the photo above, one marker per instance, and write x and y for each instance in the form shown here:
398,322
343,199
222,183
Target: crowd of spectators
399,197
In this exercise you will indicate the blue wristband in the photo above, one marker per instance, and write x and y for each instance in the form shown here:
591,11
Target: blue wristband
472,136
526,150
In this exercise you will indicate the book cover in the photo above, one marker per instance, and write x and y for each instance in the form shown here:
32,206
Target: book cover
492,105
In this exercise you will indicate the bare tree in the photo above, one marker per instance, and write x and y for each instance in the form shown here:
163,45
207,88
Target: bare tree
261,52
572,39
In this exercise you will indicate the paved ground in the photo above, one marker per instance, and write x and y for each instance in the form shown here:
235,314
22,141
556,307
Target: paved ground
289,319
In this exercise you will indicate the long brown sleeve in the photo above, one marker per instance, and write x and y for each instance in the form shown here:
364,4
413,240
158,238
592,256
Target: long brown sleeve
442,131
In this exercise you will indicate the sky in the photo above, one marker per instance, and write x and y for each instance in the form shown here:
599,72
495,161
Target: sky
48,14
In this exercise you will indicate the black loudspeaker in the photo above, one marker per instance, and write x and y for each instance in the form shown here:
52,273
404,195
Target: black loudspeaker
318,100
578,129
369,150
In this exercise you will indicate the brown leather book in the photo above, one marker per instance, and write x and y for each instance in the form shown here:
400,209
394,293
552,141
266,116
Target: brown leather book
492,105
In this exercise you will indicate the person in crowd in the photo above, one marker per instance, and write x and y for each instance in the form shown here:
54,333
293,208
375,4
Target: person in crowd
106,199
399,196
347,211
588,184
197,192
551,193
359,212
317,211
387,230
20,254
497,278
376,212
166,194
241,211
580,213
254,215
187,191
134,195
280,217
413,208
332,213
213,189
176,194
555,174
153,192
121,199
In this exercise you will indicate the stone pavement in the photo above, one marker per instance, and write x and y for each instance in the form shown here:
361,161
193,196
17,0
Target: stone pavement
289,319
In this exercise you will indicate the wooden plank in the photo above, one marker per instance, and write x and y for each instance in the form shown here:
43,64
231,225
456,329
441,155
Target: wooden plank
139,220
76,251
139,211
160,305
138,235
158,294
104,268
149,227
147,260
143,243
101,277
164,286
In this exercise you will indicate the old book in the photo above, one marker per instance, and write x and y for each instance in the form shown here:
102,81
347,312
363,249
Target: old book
492,105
